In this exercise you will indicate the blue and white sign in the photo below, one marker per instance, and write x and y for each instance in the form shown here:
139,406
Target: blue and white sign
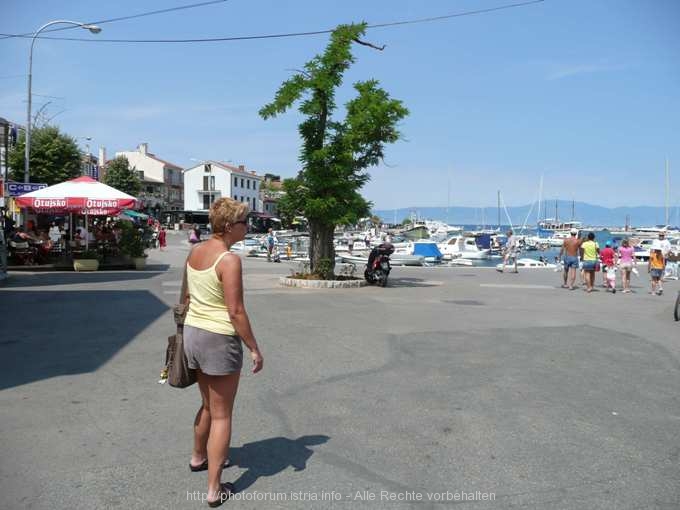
15,189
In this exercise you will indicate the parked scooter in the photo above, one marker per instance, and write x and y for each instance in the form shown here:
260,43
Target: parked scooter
378,266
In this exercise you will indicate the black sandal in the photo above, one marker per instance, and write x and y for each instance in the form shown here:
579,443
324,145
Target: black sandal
204,466
225,492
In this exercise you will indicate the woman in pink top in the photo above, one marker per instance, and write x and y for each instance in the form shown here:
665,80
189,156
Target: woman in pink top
626,263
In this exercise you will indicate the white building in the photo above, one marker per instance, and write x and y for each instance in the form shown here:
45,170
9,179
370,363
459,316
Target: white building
161,180
208,181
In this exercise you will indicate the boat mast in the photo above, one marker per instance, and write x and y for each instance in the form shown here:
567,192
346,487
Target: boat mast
556,217
448,199
499,210
572,210
668,185
540,198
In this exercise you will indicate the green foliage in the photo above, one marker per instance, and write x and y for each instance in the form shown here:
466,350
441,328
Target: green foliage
325,269
288,206
406,221
131,243
119,175
55,156
335,153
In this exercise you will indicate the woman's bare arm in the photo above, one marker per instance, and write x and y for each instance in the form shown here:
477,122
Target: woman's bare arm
232,285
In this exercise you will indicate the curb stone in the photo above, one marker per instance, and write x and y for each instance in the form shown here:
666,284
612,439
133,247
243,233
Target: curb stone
321,284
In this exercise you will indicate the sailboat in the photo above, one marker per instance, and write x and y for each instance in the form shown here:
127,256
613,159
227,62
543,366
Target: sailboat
653,232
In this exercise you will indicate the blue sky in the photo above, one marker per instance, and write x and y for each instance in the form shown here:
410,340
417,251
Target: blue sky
585,92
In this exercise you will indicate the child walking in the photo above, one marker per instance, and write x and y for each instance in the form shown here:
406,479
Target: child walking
656,267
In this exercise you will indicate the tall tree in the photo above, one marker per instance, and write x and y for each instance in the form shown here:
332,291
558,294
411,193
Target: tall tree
334,154
120,176
55,156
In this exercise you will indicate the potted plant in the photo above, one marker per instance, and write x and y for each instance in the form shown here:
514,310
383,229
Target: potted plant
87,260
132,245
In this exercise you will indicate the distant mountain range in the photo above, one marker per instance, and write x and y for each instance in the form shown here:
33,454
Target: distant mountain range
587,214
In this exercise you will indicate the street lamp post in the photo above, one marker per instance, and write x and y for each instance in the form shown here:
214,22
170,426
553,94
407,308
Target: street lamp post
92,28
88,157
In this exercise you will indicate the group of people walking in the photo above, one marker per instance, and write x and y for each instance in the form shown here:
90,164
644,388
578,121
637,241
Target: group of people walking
585,254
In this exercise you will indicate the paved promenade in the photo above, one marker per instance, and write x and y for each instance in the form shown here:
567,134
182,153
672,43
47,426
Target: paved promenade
449,381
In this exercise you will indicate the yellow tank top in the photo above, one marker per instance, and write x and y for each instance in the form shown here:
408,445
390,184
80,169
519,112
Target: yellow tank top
206,305
590,250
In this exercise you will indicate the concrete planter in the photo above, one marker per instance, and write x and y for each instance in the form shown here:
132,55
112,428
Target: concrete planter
321,284
85,265
139,263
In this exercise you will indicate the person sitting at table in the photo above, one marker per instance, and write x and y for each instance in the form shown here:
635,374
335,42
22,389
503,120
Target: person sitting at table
20,241
21,236
44,245
81,237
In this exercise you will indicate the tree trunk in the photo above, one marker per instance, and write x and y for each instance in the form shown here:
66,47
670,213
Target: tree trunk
321,249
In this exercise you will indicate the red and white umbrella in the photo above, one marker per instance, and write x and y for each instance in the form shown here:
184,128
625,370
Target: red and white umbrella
82,195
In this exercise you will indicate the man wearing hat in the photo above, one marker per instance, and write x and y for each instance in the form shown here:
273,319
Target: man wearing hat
665,247
570,248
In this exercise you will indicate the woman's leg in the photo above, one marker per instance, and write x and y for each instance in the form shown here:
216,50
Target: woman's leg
221,394
201,423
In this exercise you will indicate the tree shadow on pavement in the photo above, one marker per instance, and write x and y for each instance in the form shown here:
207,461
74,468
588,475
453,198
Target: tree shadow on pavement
18,280
411,282
272,456
52,333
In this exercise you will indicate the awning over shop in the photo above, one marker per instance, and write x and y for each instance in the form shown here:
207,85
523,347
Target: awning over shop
135,214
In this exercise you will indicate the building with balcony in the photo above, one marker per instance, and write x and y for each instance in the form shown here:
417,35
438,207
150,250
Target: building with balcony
162,181
210,180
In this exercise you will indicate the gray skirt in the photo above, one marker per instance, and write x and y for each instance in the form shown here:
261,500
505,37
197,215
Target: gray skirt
212,353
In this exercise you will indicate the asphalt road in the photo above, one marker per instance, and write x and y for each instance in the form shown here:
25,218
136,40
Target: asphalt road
449,381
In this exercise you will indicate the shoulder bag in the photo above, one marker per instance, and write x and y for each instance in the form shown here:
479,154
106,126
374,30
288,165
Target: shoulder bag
177,372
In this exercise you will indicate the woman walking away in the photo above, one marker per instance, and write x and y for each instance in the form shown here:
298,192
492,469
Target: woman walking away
626,263
656,267
215,325
589,252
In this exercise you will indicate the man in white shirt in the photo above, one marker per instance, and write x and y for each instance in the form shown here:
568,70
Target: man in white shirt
83,236
54,233
665,245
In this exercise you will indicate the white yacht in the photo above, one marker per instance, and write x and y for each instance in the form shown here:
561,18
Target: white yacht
653,232
558,226
439,231
462,247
